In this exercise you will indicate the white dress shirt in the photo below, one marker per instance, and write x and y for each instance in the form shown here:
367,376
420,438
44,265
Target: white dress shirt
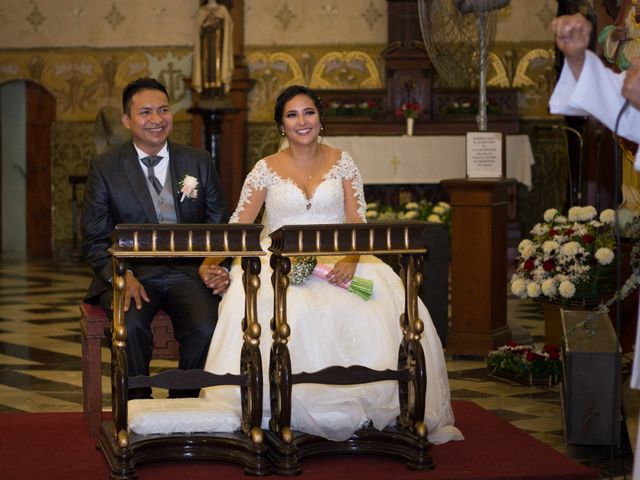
160,170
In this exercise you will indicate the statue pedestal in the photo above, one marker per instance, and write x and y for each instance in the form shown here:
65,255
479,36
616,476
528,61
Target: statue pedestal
211,120
478,265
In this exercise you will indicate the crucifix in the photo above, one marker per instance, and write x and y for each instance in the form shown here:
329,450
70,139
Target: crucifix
394,164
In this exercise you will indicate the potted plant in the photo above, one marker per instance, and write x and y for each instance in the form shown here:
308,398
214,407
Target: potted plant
526,365
568,263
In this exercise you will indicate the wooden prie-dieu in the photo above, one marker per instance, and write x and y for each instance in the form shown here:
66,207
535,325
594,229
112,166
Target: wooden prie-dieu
407,439
126,450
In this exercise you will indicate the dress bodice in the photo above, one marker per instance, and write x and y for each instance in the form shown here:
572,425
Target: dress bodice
287,204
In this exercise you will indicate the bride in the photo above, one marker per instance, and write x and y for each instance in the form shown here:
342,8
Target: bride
310,183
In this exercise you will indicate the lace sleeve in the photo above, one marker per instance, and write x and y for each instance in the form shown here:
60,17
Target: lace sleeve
253,193
348,170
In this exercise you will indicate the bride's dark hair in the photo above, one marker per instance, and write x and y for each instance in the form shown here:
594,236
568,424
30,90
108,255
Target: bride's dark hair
290,92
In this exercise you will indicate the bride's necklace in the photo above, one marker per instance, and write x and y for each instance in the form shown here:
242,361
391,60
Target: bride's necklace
310,174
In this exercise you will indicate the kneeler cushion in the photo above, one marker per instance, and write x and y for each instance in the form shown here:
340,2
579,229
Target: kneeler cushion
180,415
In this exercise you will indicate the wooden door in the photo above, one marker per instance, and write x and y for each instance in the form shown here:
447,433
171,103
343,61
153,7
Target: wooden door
41,111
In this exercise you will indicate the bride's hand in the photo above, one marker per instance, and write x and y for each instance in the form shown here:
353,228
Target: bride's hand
343,270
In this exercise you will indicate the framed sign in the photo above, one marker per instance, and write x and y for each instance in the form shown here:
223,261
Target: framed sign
486,155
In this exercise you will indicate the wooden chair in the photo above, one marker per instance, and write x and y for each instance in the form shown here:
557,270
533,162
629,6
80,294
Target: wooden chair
124,449
94,324
408,439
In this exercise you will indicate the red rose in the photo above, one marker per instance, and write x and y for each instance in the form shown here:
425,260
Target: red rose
569,232
532,356
529,264
548,265
587,238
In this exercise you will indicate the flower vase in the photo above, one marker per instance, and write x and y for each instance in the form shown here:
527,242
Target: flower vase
410,122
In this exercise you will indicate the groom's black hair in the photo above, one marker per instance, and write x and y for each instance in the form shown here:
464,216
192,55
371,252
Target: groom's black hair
144,83
290,92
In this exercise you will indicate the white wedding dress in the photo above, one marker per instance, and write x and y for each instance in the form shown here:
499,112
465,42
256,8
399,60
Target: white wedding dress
329,325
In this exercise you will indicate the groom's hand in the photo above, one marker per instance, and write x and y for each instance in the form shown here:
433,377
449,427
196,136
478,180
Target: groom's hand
215,277
133,289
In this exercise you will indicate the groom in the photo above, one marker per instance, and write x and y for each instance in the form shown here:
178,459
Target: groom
138,183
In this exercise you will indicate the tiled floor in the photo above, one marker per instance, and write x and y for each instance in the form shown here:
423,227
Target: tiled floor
40,362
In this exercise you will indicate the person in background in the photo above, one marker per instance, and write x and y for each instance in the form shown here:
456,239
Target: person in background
587,87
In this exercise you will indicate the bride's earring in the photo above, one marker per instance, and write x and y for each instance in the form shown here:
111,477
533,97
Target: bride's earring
282,132
322,130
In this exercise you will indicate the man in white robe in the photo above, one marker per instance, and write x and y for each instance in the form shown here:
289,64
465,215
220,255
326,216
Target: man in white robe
587,87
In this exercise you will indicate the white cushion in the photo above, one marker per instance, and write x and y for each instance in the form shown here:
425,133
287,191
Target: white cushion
180,415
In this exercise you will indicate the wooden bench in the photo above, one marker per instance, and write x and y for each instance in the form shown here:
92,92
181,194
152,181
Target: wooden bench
93,325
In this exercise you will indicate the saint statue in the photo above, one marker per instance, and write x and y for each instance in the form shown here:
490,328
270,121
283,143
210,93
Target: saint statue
621,41
213,51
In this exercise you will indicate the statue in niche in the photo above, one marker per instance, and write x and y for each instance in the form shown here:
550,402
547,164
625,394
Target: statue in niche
213,51
621,41
108,129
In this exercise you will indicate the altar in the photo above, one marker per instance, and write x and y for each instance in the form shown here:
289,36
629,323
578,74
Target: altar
426,159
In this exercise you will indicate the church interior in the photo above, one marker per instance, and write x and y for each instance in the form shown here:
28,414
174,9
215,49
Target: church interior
63,66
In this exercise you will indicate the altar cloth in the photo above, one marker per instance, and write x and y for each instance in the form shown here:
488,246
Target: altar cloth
426,158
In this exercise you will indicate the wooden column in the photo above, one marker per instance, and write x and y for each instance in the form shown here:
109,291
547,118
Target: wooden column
478,265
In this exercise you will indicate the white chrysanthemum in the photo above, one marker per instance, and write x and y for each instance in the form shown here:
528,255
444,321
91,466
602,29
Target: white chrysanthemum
608,216
549,214
525,243
550,246
438,210
434,218
566,289
372,205
411,215
388,216
560,219
604,256
519,288
587,213
549,287
444,205
570,249
400,216
574,214
528,251
533,290
411,206
539,229
596,223
371,214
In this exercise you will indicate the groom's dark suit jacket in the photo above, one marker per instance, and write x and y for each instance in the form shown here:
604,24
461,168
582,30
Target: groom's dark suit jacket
117,192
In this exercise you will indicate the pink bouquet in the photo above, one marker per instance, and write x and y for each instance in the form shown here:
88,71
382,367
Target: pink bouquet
303,267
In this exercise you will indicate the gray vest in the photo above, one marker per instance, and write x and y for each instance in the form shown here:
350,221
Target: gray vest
163,202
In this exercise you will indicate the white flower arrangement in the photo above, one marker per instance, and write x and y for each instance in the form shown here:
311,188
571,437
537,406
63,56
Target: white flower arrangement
422,210
188,186
567,257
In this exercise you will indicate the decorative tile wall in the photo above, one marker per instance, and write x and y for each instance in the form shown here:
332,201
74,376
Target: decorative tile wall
85,53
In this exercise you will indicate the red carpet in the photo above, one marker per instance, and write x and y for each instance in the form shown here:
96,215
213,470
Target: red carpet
58,446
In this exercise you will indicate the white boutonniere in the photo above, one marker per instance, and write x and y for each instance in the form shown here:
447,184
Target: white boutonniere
188,186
